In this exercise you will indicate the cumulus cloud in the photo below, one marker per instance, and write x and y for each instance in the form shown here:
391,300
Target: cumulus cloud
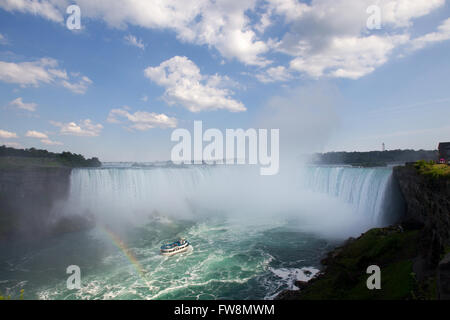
401,13
312,32
133,41
187,87
330,38
44,8
275,74
291,10
36,134
221,24
85,128
442,34
141,120
7,135
18,103
231,26
51,142
43,138
351,57
41,71
79,87
30,73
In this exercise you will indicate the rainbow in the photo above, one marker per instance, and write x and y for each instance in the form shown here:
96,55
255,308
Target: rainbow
127,252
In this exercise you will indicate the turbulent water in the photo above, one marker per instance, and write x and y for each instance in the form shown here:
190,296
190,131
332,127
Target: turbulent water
252,236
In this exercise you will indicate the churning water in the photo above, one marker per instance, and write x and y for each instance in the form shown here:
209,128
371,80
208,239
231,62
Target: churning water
253,236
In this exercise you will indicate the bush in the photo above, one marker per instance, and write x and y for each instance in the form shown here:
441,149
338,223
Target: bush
430,168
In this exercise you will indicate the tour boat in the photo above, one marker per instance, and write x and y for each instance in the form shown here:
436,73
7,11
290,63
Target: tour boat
179,246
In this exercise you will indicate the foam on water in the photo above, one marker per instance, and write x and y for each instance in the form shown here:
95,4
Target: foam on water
252,237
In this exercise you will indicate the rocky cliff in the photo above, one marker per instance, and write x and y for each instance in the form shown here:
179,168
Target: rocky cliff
413,255
427,209
29,199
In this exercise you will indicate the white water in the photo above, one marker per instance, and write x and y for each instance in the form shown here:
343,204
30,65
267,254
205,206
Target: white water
368,190
340,201
253,236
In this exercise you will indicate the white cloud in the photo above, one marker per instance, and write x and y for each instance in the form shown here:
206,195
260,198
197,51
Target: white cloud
85,128
351,57
44,8
44,70
221,24
29,73
442,34
43,138
400,13
291,9
36,134
7,135
141,120
330,38
79,87
51,142
133,41
18,103
187,87
275,74
238,29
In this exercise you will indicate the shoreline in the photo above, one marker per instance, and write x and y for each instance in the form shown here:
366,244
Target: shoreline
413,254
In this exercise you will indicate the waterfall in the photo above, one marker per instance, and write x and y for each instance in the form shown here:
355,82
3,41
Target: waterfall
365,197
371,191
113,191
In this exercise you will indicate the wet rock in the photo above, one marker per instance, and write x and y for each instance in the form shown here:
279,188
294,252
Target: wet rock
301,284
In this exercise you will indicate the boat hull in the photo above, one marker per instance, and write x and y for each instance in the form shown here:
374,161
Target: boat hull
174,252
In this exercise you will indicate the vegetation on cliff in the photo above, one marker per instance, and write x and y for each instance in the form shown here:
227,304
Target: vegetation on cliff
430,168
414,255
13,158
392,249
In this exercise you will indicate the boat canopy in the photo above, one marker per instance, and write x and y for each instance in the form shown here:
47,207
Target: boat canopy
172,245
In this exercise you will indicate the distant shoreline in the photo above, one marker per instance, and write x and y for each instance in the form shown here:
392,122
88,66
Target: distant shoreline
11,158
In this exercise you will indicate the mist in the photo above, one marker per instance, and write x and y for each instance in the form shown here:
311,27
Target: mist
134,197
306,117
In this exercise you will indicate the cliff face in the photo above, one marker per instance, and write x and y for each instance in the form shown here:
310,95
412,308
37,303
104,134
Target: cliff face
428,209
414,255
345,275
27,200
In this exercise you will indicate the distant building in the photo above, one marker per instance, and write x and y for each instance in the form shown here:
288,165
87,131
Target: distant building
444,152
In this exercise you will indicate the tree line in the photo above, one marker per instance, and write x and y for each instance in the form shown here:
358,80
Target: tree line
65,158
374,157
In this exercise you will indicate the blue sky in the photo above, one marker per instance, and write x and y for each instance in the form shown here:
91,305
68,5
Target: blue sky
137,70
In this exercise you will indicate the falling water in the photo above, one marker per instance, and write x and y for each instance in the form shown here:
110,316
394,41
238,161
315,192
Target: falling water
253,236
